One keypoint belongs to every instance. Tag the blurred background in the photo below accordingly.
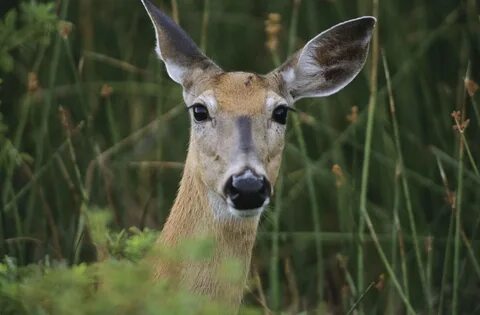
(90, 119)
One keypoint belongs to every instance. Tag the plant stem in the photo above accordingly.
(366, 157)
(308, 167)
(275, 258)
(205, 20)
(458, 211)
(405, 186)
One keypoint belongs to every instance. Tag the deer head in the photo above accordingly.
(238, 119)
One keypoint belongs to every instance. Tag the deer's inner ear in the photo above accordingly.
(329, 61)
(178, 51)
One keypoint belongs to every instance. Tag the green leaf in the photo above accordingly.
(10, 20)
(6, 62)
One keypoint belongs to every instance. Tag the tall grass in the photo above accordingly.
(374, 213)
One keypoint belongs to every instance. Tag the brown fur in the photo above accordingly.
(191, 217)
(241, 93)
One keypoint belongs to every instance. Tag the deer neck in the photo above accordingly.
(199, 212)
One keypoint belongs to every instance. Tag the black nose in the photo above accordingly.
(247, 190)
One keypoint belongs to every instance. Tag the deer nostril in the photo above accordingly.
(247, 190)
(233, 192)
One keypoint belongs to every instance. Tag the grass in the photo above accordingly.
(91, 120)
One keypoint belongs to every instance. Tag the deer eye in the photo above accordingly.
(200, 112)
(280, 114)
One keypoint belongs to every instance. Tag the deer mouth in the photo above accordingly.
(245, 214)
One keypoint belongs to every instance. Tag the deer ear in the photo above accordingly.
(329, 61)
(178, 51)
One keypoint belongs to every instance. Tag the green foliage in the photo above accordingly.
(7, 35)
(31, 26)
(121, 284)
(132, 244)
(10, 155)
(109, 287)
(3, 129)
(133, 247)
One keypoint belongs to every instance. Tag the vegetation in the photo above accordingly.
(377, 210)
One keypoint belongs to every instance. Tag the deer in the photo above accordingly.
(237, 136)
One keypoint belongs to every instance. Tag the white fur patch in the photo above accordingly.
(207, 98)
(176, 72)
(273, 100)
(219, 206)
(288, 76)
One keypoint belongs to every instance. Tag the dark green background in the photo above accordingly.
(428, 46)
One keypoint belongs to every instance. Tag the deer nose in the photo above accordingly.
(247, 190)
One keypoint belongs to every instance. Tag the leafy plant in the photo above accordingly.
(119, 284)
(109, 287)
(30, 26)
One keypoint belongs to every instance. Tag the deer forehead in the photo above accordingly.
(241, 93)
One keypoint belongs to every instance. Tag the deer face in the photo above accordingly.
(238, 119)
(238, 125)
